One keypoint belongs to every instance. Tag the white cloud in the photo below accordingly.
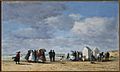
(76, 16)
(92, 26)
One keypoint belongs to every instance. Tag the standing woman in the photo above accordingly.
(68, 56)
(35, 55)
(31, 56)
(27, 55)
(39, 56)
(92, 58)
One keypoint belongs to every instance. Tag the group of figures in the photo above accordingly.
(87, 54)
(100, 57)
(103, 56)
(75, 56)
(78, 56)
(36, 55)
(52, 55)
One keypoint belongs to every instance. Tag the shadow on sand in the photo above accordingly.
(108, 60)
(24, 64)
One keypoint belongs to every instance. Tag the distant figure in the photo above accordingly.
(98, 57)
(61, 59)
(41, 55)
(83, 58)
(68, 56)
(92, 58)
(80, 56)
(31, 57)
(35, 55)
(75, 53)
(101, 56)
(53, 55)
(17, 58)
(27, 55)
(107, 55)
(50, 55)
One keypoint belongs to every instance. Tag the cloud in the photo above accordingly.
(63, 33)
(92, 26)
(97, 31)
(50, 35)
(51, 27)
(43, 32)
(28, 12)
(76, 16)
(61, 22)
(44, 25)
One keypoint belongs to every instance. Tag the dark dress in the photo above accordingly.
(27, 55)
(17, 58)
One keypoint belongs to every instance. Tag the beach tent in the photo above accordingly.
(86, 52)
(95, 52)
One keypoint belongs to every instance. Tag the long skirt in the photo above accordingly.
(27, 56)
(40, 59)
(31, 57)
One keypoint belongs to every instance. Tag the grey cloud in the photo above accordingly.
(27, 11)
(61, 22)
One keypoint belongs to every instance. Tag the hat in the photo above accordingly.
(18, 52)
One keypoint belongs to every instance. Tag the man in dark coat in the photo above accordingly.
(53, 54)
(108, 55)
(50, 55)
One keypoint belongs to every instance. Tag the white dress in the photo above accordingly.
(31, 57)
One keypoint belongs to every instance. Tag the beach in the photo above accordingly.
(61, 66)
(112, 65)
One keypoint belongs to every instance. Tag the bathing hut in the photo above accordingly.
(86, 52)
(95, 52)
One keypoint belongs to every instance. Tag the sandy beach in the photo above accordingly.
(61, 66)
(112, 65)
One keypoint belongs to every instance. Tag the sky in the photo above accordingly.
(62, 26)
